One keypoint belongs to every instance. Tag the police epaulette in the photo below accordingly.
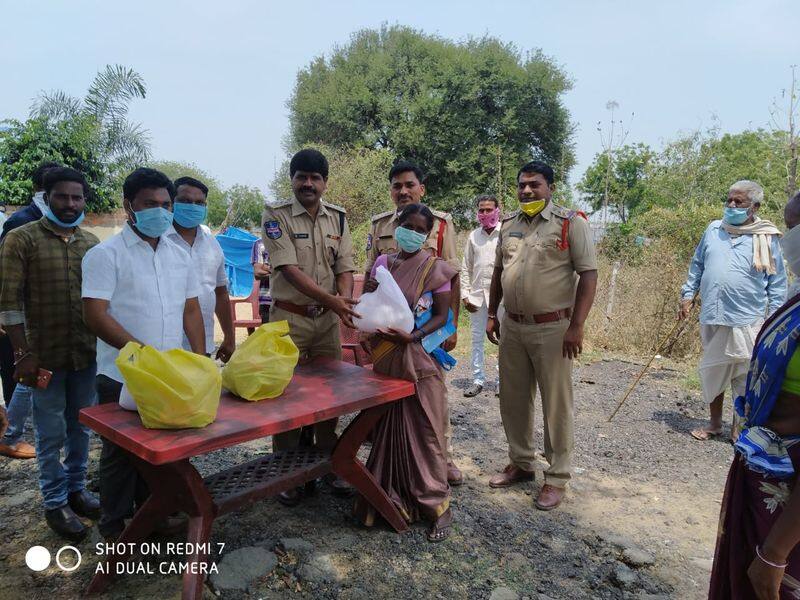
(510, 216)
(334, 207)
(380, 216)
(441, 214)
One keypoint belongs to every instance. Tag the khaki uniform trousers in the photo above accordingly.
(313, 337)
(531, 356)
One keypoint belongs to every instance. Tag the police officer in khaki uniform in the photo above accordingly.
(311, 253)
(406, 187)
(546, 274)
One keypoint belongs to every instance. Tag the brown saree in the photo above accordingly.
(408, 457)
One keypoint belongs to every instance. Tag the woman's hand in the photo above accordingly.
(370, 285)
(393, 335)
(765, 579)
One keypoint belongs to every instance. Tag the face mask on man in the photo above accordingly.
(533, 207)
(52, 217)
(189, 215)
(489, 220)
(38, 200)
(409, 241)
(152, 222)
(735, 216)
(790, 244)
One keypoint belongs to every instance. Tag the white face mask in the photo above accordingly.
(790, 244)
(38, 200)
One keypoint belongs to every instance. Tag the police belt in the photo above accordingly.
(550, 317)
(304, 310)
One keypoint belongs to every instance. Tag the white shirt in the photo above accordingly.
(146, 289)
(478, 264)
(209, 264)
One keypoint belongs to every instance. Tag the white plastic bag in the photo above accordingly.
(126, 401)
(384, 308)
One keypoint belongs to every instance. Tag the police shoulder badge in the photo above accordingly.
(272, 229)
(369, 241)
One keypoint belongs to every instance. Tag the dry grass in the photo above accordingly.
(643, 309)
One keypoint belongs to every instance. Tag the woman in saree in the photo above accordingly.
(757, 555)
(408, 457)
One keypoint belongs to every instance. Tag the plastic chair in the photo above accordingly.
(353, 349)
(252, 300)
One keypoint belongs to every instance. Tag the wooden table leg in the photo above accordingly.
(347, 466)
(174, 487)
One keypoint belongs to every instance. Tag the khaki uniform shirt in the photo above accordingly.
(321, 247)
(380, 239)
(538, 276)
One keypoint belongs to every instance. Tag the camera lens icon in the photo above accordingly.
(38, 558)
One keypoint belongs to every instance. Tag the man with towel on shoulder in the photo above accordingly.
(738, 270)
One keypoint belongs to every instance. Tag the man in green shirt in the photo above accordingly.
(54, 352)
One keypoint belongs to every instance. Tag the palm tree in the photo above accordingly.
(122, 144)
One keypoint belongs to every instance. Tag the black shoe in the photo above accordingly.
(473, 391)
(65, 523)
(338, 486)
(84, 504)
(290, 497)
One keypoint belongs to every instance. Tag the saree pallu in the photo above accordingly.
(752, 503)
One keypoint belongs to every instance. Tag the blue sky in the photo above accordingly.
(219, 73)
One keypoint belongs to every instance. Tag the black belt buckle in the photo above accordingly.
(314, 310)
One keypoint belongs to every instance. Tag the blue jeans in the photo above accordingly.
(18, 410)
(55, 420)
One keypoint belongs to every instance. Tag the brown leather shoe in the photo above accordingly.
(511, 474)
(454, 475)
(549, 497)
(21, 449)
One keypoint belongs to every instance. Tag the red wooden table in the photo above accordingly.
(320, 390)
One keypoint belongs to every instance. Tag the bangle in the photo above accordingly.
(418, 335)
(491, 316)
(769, 562)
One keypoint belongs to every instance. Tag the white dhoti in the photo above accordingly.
(726, 358)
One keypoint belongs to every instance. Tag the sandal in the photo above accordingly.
(438, 531)
(704, 435)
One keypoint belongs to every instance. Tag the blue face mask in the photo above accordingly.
(408, 240)
(51, 217)
(189, 215)
(735, 216)
(153, 222)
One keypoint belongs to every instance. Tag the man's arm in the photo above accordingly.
(193, 326)
(466, 272)
(14, 266)
(222, 309)
(307, 286)
(495, 297)
(371, 252)
(584, 298)
(103, 325)
(344, 284)
(692, 285)
(777, 283)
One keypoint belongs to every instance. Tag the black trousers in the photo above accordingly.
(7, 368)
(122, 489)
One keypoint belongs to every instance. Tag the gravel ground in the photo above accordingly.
(639, 520)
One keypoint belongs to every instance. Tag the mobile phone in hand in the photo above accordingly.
(43, 379)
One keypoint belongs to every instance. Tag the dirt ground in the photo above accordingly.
(644, 493)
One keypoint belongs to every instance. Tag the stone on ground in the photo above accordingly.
(242, 566)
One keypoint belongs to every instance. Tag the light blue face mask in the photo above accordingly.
(409, 240)
(735, 216)
(153, 222)
(189, 215)
(51, 217)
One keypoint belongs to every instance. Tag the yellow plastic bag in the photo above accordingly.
(264, 364)
(175, 389)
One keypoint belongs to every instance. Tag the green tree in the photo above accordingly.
(470, 113)
(121, 144)
(73, 142)
(217, 204)
(625, 182)
(245, 205)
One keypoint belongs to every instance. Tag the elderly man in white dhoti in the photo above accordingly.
(739, 273)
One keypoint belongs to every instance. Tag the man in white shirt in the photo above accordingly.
(476, 277)
(137, 286)
(189, 211)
